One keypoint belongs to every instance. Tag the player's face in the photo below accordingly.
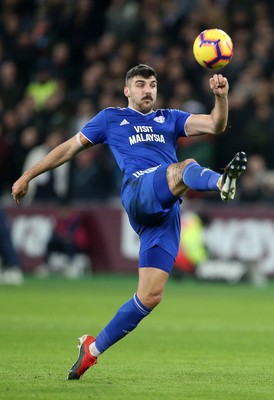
(141, 93)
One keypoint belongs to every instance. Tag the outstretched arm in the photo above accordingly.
(216, 121)
(58, 156)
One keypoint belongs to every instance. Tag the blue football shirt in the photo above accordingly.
(138, 141)
(141, 143)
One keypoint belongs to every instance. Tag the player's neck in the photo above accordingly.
(140, 112)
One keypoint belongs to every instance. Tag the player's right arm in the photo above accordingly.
(56, 157)
(216, 121)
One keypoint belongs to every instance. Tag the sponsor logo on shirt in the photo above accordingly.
(137, 174)
(142, 128)
(148, 137)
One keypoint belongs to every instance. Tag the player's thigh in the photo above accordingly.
(141, 203)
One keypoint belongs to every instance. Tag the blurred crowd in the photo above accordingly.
(62, 61)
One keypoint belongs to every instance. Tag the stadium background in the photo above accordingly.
(205, 341)
(62, 61)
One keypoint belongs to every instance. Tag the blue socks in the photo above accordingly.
(200, 178)
(127, 318)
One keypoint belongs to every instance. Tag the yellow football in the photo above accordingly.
(213, 49)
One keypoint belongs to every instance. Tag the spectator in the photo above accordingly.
(85, 110)
(68, 248)
(250, 187)
(62, 65)
(93, 176)
(8, 136)
(10, 273)
(43, 85)
(25, 55)
(90, 84)
(52, 186)
(28, 139)
(26, 112)
(11, 89)
(122, 20)
(84, 24)
(55, 114)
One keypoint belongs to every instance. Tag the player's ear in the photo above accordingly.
(126, 91)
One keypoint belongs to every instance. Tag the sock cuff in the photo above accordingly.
(200, 178)
(190, 165)
(143, 309)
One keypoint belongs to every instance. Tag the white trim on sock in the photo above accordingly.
(93, 350)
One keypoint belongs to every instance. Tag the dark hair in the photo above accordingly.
(142, 70)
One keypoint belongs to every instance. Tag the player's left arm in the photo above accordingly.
(216, 121)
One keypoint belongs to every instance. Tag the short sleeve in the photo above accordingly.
(181, 118)
(95, 129)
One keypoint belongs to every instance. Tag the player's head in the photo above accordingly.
(141, 88)
(143, 70)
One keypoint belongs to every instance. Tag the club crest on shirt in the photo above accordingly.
(159, 119)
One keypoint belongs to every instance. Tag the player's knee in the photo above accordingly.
(185, 163)
(174, 177)
(152, 299)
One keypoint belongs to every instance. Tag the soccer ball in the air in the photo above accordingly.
(213, 49)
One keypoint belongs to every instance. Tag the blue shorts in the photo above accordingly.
(157, 223)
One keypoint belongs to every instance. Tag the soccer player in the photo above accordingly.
(143, 141)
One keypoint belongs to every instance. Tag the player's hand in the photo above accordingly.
(19, 189)
(219, 85)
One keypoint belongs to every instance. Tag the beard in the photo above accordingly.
(146, 104)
